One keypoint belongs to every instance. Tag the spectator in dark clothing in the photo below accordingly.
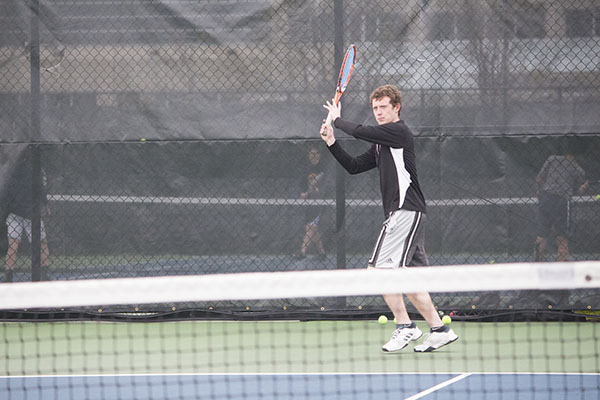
(20, 203)
(559, 178)
(314, 185)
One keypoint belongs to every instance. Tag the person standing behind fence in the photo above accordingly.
(19, 204)
(314, 188)
(557, 181)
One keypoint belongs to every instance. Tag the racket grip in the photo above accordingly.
(328, 121)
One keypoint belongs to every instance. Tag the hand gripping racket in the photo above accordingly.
(345, 74)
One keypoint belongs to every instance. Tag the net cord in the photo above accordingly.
(300, 284)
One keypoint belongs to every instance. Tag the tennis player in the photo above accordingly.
(401, 241)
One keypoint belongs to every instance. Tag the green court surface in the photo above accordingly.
(87, 348)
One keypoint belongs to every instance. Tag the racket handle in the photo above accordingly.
(328, 122)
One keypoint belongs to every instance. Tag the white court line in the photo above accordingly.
(233, 374)
(438, 387)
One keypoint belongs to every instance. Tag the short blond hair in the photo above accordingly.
(390, 91)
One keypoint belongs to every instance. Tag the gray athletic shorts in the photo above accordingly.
(17, 224)
(401, 242)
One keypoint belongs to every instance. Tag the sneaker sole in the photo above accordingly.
(411, 340)
(430, 349)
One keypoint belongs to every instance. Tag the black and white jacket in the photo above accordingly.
(393, 153)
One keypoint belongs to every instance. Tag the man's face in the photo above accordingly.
(383, 111)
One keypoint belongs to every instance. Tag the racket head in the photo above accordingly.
(345, 71)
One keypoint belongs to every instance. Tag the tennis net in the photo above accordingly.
(56, 341)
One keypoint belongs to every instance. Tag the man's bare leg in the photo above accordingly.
(423, 304)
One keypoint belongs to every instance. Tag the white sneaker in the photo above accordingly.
(401, 338)
(435, 340)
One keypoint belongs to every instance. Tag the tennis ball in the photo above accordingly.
(446, 319)
(395, 320)
(598, 197)
(142, 140)
(382, 319)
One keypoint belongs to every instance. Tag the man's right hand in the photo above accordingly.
(327, 133)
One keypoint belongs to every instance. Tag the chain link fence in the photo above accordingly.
(176, 137)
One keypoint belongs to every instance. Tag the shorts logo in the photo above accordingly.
(389, 261)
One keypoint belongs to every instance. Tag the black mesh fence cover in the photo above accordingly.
(164, 70)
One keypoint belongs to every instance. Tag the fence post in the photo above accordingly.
(340, 183)
(34, 49)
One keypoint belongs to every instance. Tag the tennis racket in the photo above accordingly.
(345, 74)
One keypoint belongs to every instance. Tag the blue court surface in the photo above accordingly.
(305, 386)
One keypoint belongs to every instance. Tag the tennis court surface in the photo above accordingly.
(314, 386)
(65, 347)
